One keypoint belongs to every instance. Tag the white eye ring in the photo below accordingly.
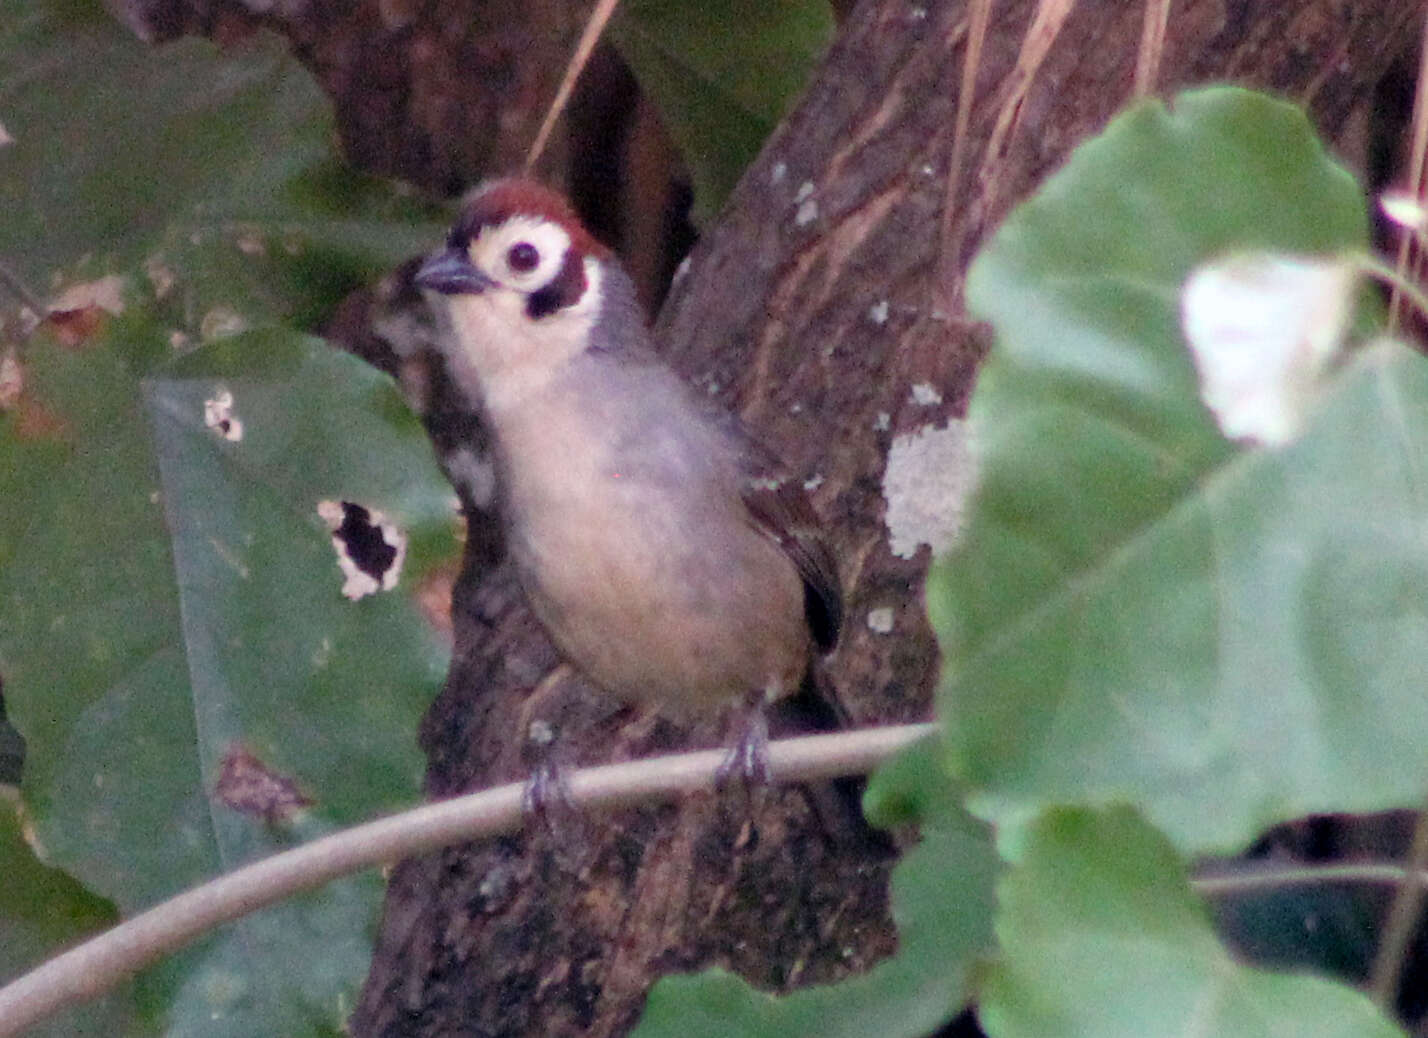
(505, 250)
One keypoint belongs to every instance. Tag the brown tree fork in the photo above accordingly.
(90, 969)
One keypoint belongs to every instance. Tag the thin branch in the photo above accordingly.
(1402, 921)
(1407, 904)
(583, 49)
(980, 15)
(1277, 877)
(1416, 162)
(1152, 46)
(97, 965)
(1391, 277)
(12, 281)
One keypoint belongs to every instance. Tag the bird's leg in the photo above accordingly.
(748, 758)
(746, 766)
(546, 791)
(547, 802)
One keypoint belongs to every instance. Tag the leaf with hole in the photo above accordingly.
(193, 687)
(1140, 610)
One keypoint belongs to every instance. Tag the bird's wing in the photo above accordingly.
(777, 505)
(780, 508)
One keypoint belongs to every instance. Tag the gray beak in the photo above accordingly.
(451, 272)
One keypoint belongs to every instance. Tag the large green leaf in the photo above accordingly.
(40, 908)
(1141, 610)
(114, 147)
(722, 75)
(172, 597)
(1102, 936)
(170, 600)
(942, 902)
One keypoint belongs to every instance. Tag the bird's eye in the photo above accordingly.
(523, 257)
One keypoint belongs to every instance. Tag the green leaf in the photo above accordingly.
(40, 908)
(942, 903)
(1101, 935)
(117, 149)
(109, 138)
(722, 75)
(1139, 611)
(172, 599)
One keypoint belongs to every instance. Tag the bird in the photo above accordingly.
(650, 532)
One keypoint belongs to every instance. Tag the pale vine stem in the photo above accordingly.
(1152, 46)
(91, 968)
(1256, 879)
(590, 36)
(1415, 175)
(1403, 913)
(101, 963)
(1390, 276)
(16, 285)
(980, 13)
(1402, 921)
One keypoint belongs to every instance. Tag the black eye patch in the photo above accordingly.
(565, 289)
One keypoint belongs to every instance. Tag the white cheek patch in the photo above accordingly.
(502, 357)
(587, 309)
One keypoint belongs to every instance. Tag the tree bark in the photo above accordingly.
(825, 307)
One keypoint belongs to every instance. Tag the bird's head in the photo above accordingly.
(521, 279)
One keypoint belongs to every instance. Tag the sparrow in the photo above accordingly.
(648, 529)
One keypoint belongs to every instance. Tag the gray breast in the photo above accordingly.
(633, 547)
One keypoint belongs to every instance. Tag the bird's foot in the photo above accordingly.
(747, 762)
(745, 768)
(551, 812)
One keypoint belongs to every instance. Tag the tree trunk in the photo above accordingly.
(824, 306)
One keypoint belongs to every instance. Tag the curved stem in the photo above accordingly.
(102, 962)
(1277, 877)
(1402, 921)
(1400, 285)
(17, 287)
(584, 47)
